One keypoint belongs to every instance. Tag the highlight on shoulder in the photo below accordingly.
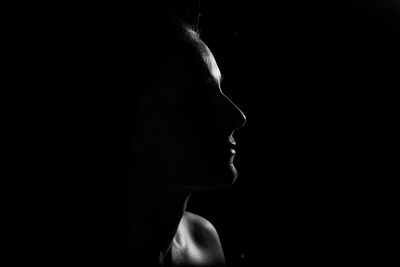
(203, 232)
(197, 242)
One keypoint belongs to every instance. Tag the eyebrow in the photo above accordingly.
(221, 78)
(209, 65)
(211, 79)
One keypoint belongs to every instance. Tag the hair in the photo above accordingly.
(161, 36)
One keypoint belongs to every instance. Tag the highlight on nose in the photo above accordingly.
(240, 118)
(243, 118)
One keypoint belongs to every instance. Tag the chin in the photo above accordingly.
(234, 173)
(221, 178)
(231, 175)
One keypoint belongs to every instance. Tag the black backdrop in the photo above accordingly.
(316, 81)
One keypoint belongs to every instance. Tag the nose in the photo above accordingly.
(237, 117)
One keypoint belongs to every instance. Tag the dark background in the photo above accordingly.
(315, 81)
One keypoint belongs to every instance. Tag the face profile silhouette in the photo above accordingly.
(182, 142)
(184, 135)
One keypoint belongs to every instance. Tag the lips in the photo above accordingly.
(228, 149)
(231, 146)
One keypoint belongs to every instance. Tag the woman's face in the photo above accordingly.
(186, 125)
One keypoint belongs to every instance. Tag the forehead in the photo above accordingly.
(195, 64)
(210, 63)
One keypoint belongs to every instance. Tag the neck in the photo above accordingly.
(156, 217)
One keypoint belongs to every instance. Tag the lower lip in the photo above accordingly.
(233, 151)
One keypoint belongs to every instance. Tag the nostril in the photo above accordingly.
(232, 140)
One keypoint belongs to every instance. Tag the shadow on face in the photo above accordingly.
(186, 124)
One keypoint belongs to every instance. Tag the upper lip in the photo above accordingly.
(231, 144)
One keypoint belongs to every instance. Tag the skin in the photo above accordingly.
(182, 144)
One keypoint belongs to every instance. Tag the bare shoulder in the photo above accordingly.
(201, 226)
(203, 245)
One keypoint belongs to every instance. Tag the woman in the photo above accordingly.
(183, 143)
(98, 81)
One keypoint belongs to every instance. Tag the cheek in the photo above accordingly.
(192, 124)
(180, 144)
(183, 147)
(181, 135)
